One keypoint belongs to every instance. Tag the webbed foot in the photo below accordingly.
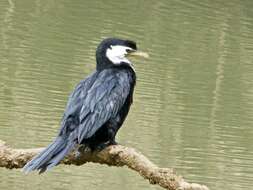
(82, 149)
(102, 146)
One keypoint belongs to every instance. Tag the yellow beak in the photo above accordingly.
(138, 54)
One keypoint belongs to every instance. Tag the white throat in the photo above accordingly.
(117, 54)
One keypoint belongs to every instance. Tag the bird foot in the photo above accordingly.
(113, 143)
(82, 149)
(102, 146)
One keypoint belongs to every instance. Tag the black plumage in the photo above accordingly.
(97, 107)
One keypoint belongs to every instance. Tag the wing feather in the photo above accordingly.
(94, 101)
(104, 100)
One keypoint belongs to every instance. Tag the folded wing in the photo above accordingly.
(94, 102)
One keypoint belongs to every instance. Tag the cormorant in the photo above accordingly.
(97, 107)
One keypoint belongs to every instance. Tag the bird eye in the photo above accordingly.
(129, 50)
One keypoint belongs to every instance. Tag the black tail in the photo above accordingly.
(51, 156)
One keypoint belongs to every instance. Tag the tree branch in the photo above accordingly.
(115, 155)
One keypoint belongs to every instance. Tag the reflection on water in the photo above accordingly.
(193, 102)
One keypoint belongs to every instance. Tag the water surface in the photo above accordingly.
(193, 104)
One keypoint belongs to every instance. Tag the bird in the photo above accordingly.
(97, 107)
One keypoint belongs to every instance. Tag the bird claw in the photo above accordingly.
(113, 143)
(82, 149)
(102, 146)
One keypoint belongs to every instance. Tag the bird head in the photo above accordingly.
(113, 51)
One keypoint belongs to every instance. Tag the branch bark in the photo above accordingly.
(115, 155)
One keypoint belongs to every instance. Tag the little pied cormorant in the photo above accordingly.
(97, 107)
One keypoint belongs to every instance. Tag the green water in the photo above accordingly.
(193, 104)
